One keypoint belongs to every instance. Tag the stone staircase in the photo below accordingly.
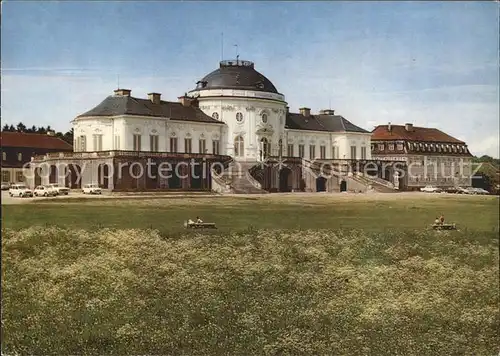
(240, 180)
(377, 184)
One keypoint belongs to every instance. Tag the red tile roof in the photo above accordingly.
(34, 140)
(421, 134)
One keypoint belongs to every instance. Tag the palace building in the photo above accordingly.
(233, 132)
(19, 147)
(432, 156)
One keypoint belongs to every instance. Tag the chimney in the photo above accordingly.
(305, 111)
(287, 110)
(122, 92)
(51, 133)
(187, 101)
(154, 97)
(327, 112)
(389, 127)
(409, 127)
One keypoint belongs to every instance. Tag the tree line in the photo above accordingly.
(67, 136)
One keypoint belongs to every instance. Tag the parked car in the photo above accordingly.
(44, 191)
(91, 189)
(462, 190)
(5, 186)
(59, 189)
(480, 191)
(20, 190)
(431, 189)
(452, 190)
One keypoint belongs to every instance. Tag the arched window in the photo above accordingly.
(215, 116)
(19, 156)
(239, 146)
(239, 117)
(4, 156)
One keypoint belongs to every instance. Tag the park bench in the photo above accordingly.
(199, 225)
(444, 227)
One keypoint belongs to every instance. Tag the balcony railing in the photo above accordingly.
(131, 154)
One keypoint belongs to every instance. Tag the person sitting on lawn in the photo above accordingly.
(198, 220)
(190, 222)
(437, 222)
(441, 219)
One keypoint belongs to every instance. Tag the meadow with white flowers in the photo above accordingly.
(291, 277)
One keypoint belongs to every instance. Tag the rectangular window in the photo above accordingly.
(5, 176)
(391, 147)
(322, 152)
(97, 142)
(19, 177)
(301, 151)
(117, 142)
(381, 147)
(202, 146)
(400, 146)
(187, 145)
(173, 144)
(353, 152)
(137, 142)
(335, 152)
(19, 156)
(215, 147)
(363, 152)
(83, 143)
(312, 152)
(289, 151)
(153, 143)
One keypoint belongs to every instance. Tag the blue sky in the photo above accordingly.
(431, 63)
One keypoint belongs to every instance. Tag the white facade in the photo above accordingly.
(118, 133)
(252, 125)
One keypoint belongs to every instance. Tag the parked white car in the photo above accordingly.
(430, 189)
(91, 189)
(59, 189)
(20, 190)
(44, 191)
(5, 186)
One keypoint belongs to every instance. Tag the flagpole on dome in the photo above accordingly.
(222, 46)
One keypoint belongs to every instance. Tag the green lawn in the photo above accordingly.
(167, 215)
(312, 276)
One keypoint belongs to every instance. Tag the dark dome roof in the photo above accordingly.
(236, 74)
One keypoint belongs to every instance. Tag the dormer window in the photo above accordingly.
(381, 147)
(399, 146)
(391, 147)
(215, 116)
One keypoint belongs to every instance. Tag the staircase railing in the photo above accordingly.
(377, 180)
(252, 180)
(219, 184)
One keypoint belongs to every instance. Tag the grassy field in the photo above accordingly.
(282, 276)
(271, 212)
